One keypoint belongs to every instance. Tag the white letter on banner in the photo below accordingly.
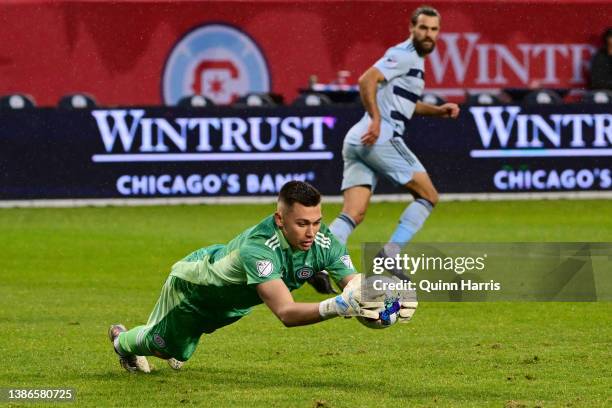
(122, 183)
(497, 125)
(255, 125)
(580, 63)
(288, 131)
(204, 133)
(483, 64)
(549, 60)
(165, 128)
(576, 120)
(603, 130)
(453, 54)
(120, 127)
(233, 131)
(539, 124)
(317, 131)
(504, 55)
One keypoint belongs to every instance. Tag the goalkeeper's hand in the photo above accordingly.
(348, 303)
(408, 306)
(407, 299)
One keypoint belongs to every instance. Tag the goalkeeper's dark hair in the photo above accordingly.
(299, 192)
(426, 10)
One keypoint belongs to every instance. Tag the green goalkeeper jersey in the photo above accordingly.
(226, 276)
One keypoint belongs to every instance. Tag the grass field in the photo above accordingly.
(66, 274)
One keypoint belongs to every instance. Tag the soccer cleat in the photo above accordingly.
(175, 364)
(131, 363)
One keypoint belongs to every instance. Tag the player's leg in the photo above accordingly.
(172, 330)
(130, 362)
(176, 336)
(354, 207)
(415, 215)
(394, 160)
(174, 327)
(358, 182)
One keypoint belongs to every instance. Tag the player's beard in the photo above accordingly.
(420, 47)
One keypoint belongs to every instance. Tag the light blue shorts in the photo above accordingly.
(392, 159)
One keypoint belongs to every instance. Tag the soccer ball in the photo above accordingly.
(387, 314)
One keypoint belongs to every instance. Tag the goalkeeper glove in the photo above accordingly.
(409, 304)
(348, 303)
(407, 298)
(407, 309)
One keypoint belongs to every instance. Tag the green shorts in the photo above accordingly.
(177, 321)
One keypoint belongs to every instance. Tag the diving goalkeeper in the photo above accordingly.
(217, 285)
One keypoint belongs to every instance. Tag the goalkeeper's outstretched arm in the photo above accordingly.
(277, 297)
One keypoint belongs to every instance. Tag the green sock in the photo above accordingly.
(129, 342)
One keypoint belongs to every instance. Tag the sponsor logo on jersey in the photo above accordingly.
(304, 273)
(264, 268)
(346, 260)
(218, 61)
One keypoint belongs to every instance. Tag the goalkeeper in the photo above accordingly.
(216, 286)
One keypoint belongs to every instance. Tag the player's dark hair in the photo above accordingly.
(299, 192)
(427, 10)
(607, 34)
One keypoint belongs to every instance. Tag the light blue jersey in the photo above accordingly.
(404, 71)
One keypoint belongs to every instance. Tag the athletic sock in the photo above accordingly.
(342, 227)
(411, 220)
(132, 342)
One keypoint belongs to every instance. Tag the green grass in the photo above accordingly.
(66, 274)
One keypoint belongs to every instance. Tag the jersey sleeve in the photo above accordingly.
(260, 264)
(394, 63)
(339, 263)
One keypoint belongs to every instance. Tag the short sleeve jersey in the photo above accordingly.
(227, 275)
(404, 72)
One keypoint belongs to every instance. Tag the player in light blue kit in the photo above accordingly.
(390, 91)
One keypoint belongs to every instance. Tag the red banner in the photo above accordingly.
(147, 52)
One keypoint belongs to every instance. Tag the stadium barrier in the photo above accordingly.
(225, 153)
(237, 47)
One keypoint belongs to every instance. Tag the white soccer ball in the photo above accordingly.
(387, 314)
